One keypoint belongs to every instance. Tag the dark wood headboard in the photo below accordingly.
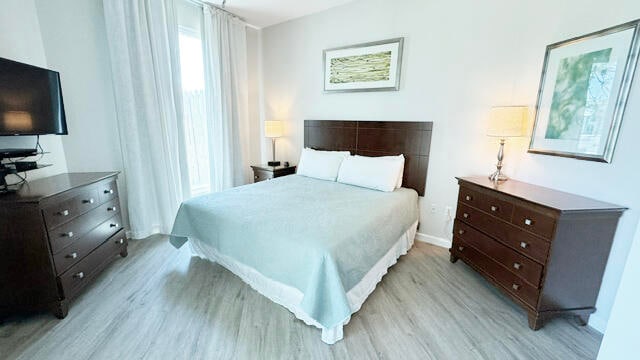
(377, 138)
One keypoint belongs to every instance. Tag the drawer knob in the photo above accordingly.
(255, 177)
(88, 201)
(79, 275)
(68, 234)
(517, 266)
(460, 248)
(113, 208)
(120, 241)
(468, 198)
(108, 191)
(528, 222)
(515, 287)
(73, 255)
(115, 225)
(64, 213)
(524, 245)
(465, 215)
(460, 231)
(494, 208)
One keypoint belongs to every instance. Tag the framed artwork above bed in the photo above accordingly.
(583, 92)
(372, 66)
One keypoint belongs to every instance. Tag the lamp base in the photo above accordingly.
(273, 163)
(498, 176)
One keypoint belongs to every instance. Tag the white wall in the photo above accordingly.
(621, 339)
(75, 43)
(460, 58)
(20, 40)
(254, 74)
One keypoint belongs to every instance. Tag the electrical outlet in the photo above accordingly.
(434, 208)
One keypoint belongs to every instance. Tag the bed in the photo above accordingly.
(335, 241)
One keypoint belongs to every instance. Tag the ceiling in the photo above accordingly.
(263, 13)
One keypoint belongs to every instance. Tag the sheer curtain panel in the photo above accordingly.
(143, 42)
(224, 40)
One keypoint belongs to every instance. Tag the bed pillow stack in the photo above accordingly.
(382, 173)
(323, 165)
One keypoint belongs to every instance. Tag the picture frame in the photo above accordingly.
(371, 66)
(583, 92)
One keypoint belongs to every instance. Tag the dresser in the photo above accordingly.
(265, 172)
(56, 235)
(545, 249)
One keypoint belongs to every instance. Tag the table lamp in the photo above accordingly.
(504, 122)
(273, 130)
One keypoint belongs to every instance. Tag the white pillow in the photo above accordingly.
(401, 170)
(322, 165)
(378, 173)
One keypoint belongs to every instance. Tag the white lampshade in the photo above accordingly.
(508, 121)
(273, 128)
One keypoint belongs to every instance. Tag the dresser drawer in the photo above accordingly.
(64, 235)
(510, 235)
(515, 262)
(108, 191)
(260, 175)
(82, 201)
(485, 265)
(81, 247)
(487, 203)
(81, 273)
(534, 221)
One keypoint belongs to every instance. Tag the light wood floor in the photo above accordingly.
(159, 303)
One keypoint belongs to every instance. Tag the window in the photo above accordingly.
(195, 124)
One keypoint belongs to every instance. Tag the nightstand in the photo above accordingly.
(265, 172)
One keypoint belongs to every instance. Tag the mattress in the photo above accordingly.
(315, 239)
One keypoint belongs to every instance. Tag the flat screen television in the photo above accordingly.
(30, 100)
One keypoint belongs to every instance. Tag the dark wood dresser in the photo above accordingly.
(56, 235)
(545, 249)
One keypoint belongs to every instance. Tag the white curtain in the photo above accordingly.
(143, 42)
(224, 40)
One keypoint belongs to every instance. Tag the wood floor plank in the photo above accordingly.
(161, 303)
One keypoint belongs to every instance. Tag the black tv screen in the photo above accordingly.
(30, 100)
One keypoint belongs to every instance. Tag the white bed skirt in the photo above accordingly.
(290, 297)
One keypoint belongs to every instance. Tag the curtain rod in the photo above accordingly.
(201, 3)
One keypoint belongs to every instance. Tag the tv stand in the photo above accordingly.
(17, 153)
(6, 170)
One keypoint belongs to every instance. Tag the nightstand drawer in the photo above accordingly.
(517, 263)
(489, 204)
(496, 272)
(510, 235)
(265, 172)
(534, 221)
(260, 175)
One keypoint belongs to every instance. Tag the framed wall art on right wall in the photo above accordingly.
(583, 92)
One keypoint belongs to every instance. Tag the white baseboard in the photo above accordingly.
(598, 323)
(433, 240)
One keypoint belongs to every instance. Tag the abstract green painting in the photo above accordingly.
(584, 89)
(361, 68)
(572, 90)
(372, 66)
